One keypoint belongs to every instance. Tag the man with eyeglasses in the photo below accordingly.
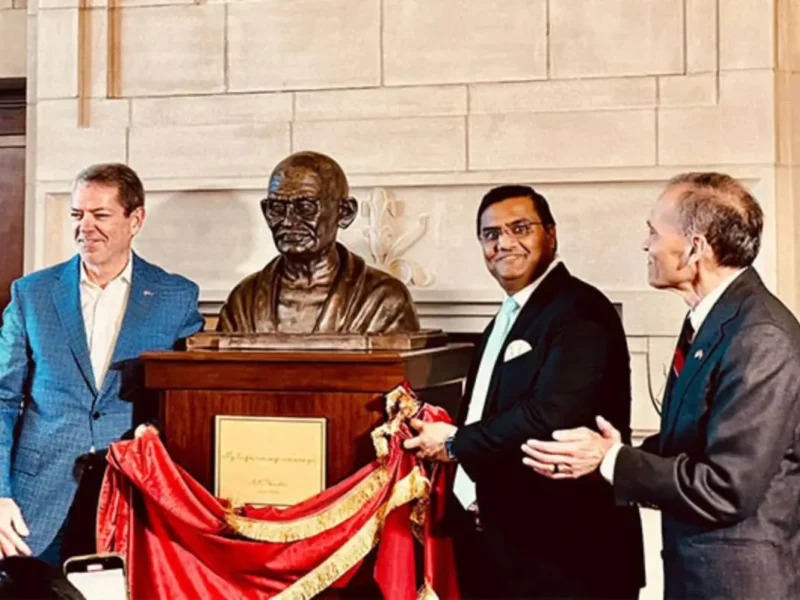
(552, 357)
(316, 285)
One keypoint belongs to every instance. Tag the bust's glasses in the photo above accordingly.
(517, 230)
(278, 208)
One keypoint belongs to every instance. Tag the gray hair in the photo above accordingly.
(720, 208)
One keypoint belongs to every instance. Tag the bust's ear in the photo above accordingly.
(348, 209)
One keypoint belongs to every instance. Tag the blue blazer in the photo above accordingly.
(51, 411)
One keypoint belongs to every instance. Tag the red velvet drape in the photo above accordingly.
(181, 542)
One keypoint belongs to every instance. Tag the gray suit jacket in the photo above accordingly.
(725, 468)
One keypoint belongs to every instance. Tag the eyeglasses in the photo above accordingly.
(277, 208)
(517, 230)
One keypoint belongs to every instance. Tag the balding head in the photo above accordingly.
(308, 199)
(722, 210)
(300, 165)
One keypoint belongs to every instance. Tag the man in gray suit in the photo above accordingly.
(725, 467)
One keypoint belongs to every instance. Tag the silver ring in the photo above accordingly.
(555, 469)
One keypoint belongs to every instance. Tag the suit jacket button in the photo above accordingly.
(96, 415)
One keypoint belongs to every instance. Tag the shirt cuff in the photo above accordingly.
(609, 460)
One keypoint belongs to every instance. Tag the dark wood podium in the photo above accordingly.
(346, 387)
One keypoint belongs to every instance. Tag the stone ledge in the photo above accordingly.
(659, 174)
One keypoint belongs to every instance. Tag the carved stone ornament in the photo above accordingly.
(387, 244)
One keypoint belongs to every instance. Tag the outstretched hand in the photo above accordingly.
(143, 428)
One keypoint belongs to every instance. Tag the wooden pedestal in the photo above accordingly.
(345, 387)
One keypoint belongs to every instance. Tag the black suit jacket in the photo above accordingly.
(547, 532)
(725, 469)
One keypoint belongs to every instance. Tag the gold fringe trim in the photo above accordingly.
(413, 486)
(402, 402)
(299, 529)
(419, 513)
(426, 592)
(379, 441)
(401, 405)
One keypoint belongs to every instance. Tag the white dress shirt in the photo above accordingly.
(699, 313)
(696, 317)
(103, 310)
(464, 487)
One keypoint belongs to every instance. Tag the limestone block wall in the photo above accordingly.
(787, 91)
(595, 102)
(13, 34)
(426, 104)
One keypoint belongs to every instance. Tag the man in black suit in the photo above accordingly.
(725, 467)
(553, 357)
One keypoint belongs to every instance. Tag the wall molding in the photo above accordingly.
(588, 176)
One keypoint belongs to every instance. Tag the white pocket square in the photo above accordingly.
(515, 349)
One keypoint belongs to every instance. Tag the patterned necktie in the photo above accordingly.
(682, 349)
(464, 487)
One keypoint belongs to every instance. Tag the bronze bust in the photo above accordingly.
(316, 285)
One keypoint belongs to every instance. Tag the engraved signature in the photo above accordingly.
(231, 456)
(267, 482)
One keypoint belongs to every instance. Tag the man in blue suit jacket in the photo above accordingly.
(68, 334)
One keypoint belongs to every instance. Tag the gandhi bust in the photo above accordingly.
(316, 285)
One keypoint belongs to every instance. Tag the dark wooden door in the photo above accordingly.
(12, 183)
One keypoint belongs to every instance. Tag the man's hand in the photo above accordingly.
(575, 453)
(12, 526)
(429, 444)
(142, 428)
(475, 512)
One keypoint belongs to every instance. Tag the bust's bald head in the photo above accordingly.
(333, 182)
(308, 199)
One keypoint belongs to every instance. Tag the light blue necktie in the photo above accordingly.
(464, 487)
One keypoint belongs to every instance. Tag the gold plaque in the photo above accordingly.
(269, 460)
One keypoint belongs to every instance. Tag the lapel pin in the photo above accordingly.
(698, 355)
(148, 293)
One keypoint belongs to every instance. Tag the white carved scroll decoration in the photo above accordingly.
(387, 242)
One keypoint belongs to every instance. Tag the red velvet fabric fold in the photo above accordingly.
(179, 541)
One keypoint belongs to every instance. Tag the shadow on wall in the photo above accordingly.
(207, 236)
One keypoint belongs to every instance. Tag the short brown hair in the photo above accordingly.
(127, 182)
(720, 208)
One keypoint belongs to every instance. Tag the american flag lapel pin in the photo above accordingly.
(699, 355)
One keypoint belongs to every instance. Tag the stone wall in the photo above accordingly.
(787, 171)
(13, 34)
(427, 104)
